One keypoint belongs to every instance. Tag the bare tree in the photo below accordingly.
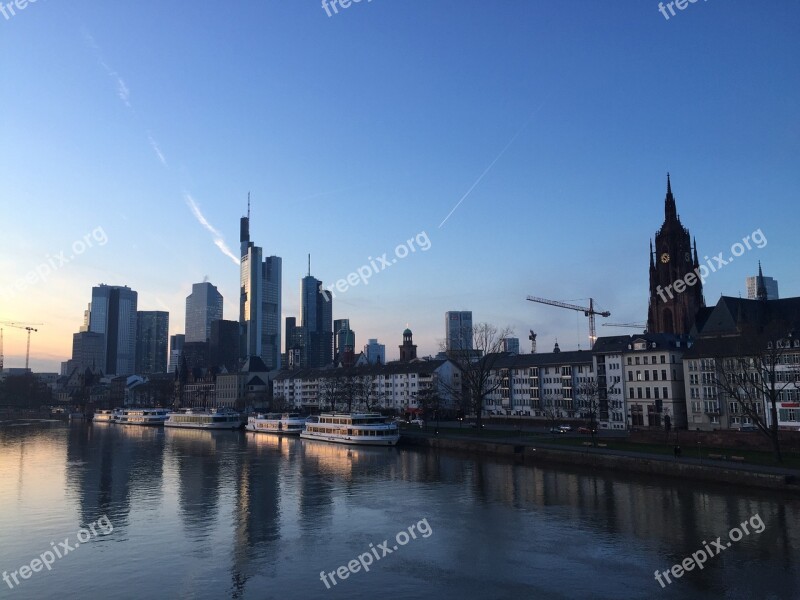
(755, 371)
(477, 367)
(587, 396)
(550, 408)
(332, 392)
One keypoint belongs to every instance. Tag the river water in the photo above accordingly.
(132, 512)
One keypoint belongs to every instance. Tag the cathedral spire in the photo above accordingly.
(670, 212)
(761, 286)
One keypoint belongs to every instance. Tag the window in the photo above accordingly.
(639, 393)
(645, 360)
(655, 392)
(647, 393)
(655, 375)
(666, 395)
(637, 360)
(663, 359)
(630, 375)
(646, 375)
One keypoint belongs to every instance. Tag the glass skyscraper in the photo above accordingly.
(152, 333)
(203, 306)
(113, 313)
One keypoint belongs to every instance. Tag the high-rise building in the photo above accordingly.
(113, 313)
(223, 347)
(175, 351)
(88, 351)
(317, 324)
(203, 306)
(458, 330)
(259, 301)
(770, 286)
(152, 332)
(676, 290)
(342, 334)
(511, 345)
(375, 353)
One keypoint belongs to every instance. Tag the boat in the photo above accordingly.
(200, 418)
(352, 428)
(276, 423)
(142, 416)
(104, 416)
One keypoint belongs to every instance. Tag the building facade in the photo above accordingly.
(152, 332)
(458, 330)
(374, 352)
(113, 313)
(203, 306)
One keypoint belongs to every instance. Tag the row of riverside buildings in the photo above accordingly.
(666, 376)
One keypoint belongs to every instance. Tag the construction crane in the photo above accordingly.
(532, 338)
(17, 325)
(587, 311)
(632, 325)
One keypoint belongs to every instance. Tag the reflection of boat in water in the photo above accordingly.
(220, 418)
(346, 460)
(276, 423)
(143, 416)
(77, 416)
(352, 428)
(104, 416)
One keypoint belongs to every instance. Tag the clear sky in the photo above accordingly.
(552, 123)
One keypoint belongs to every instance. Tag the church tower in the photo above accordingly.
(676, 291)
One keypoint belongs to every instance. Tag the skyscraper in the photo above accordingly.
(113, 313)
(152, 331)
(175, 351)
(203, 306)
(223, 348)
(673, 264)
(317, 324)
(375, 352)
(770, 286)
(342, 334)
(259, 301)
(458, 330)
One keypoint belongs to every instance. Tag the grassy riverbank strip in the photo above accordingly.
(617, 455)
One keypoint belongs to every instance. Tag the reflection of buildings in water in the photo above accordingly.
(258, 507)
(108, 468)
(199, 459)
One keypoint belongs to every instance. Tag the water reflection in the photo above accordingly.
(234, 511)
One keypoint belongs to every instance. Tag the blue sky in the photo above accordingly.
(356, 132)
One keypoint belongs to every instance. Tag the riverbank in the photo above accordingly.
(540, 453)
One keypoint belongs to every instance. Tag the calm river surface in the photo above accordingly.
(199, 514)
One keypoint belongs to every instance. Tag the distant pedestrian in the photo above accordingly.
(677, 451)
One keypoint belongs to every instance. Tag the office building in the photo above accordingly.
(223, 347)
(260, 300)
(203, 306)
(375, 353)
(113, 313)
(317, 324)
(342, 336)
(770, 286)
(458, 330)
(152, 332)
(510, 344)
(175, 351)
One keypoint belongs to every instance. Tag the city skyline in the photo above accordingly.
(548, 180)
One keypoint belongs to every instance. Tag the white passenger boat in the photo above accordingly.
(199, 418)
(277, 423)
(142, 416)
(104, 416)
(352, 428)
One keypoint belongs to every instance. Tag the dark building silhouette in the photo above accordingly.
(223, 347)
(676, 290)
(408, 350)
(152, 334)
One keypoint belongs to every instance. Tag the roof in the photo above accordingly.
(393, 368)
(506, 360)
(254, 364)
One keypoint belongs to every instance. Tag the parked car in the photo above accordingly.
(419, 422)
(587, 430)
(557, 430)
(565, 427)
